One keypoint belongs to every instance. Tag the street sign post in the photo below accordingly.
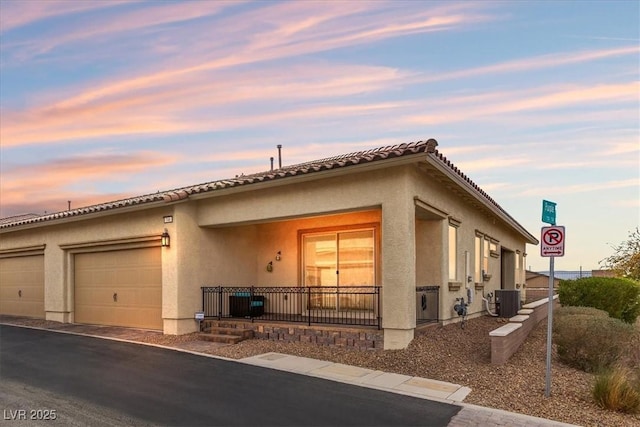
(549, 212)
(551, 246)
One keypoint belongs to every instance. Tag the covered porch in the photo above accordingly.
(332, 316)
(331, 254)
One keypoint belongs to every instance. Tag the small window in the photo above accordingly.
(478, 260)
(453, 253)
(485, 256)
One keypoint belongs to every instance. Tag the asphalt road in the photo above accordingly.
(108, 382)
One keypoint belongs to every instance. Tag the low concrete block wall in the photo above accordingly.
(535, 294)
(363, 339)
(507, 339)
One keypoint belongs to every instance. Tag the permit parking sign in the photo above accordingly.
(552, 241)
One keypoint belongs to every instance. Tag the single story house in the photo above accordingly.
(535, 280)
(392, 235)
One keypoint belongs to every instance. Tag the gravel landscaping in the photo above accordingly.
(449, 353)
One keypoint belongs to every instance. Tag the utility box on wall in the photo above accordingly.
(507, 302)
(427, 303)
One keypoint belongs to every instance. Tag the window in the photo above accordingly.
(485, 247)
(485, 256)
(453, 253)
(477, 274)
(338, 259)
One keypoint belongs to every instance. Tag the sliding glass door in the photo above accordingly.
(335, 260)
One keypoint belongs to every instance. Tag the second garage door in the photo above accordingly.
(119, 288)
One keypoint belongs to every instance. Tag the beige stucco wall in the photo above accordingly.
(430, 252)
(227, 238)
(388, 190)
(63, 239)
(238, 254)
(472, 219)
(181, 269)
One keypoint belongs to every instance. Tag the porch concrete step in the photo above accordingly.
(221, 338)
(219, 330)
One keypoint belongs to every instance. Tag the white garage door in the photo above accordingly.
(119, 288)
(22, 286)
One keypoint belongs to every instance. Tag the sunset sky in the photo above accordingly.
(533, 100)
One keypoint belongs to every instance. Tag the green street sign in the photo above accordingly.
(549, 212)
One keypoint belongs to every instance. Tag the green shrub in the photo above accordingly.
(631, 358)
(591, 343)
(618, 390)
(572, 311)
(618, 297)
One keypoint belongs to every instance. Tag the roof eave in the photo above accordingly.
(309, 176)
(47, 222)
(447, 171)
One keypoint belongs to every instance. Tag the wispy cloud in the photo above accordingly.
(78, 176)
(109, 25)
(587, 187)
(16, 13)
(464, 108)
(628, 203)
(173, 100)
(333, 26)
(176, 108)
(492, 162)
(535, 63)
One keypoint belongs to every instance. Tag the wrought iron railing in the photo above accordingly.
(343, 305)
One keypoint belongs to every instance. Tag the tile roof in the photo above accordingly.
(17, 218)
(330, 163)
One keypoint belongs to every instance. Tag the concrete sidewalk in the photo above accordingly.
(396, 383)
(423, 388)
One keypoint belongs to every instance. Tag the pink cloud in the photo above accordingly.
(273, 38)
(16, 13)
(22, 185)
(535, 63)
(587, 187)
(127, 21)
(494, 104)
(173, 108)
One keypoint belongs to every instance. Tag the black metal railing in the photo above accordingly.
(343, 305)
(427, 304)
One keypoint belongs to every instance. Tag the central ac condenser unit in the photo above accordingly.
(507, 302)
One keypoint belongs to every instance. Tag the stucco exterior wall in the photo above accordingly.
(239, 254)
(386, 189)
(181, 268)
(228, 237)
(62, 240)
(472, 219)
(430, 253)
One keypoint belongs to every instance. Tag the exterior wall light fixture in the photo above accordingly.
(270, 266)
(278, 256)
(165, 239)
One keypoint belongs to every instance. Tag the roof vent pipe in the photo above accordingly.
(279, 156)
(271, 163)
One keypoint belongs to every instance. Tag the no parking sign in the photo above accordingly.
(552, 241)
